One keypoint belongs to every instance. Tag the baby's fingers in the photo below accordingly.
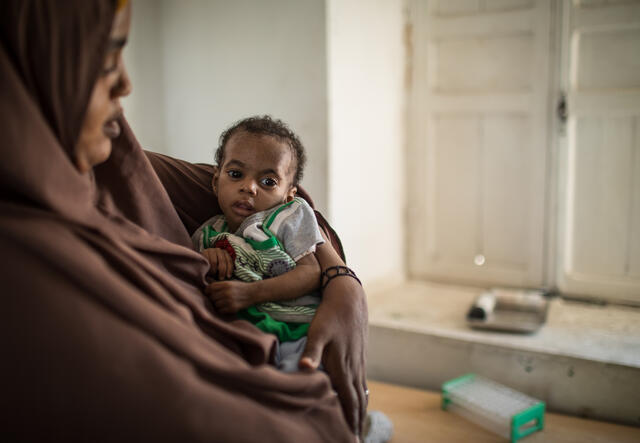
(222, 264)
(229, 265)
(212, 258)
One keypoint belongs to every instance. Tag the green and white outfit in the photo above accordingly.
(268, 244)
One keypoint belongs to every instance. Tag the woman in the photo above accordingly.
(106, 332)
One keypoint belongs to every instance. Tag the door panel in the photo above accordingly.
(477, 160)
(602, 194)
(454, 208)
(506, 200)
(608, 59)
(599, 241)
(461, 64)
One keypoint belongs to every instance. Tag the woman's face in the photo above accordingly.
(100, 121)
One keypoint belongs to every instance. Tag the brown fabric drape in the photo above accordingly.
(105, 333)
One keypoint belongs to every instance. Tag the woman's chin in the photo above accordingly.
(102, 154)
(88, 158)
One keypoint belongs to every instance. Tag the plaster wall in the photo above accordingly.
(197, 66)
(366, 134)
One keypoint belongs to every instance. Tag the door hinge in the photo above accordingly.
(561, 110)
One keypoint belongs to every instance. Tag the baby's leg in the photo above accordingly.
(289, 353)
(378, 428)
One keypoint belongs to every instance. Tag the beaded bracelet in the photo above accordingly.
(339, 272)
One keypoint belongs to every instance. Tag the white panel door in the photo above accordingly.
(478, 140)
(600, 199)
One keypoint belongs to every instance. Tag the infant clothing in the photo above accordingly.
(268, 244)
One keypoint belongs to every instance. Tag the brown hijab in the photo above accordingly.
(105, 332)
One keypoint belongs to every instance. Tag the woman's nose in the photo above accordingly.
(123, 88)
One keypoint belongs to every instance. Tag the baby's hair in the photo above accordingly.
(265, 125)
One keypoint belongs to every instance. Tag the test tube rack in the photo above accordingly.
(493, 406)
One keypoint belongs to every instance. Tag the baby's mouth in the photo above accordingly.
(243, 208)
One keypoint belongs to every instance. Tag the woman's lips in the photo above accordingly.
(111, 129)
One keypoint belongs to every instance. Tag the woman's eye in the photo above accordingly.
(269, 182)
(109, 69)
(234, 174)
(111, 63)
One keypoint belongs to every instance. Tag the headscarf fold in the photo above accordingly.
(105, 332)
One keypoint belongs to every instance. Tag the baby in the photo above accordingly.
(266, 237)
(265, 240)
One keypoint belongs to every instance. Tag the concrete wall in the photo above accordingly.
(567, 384)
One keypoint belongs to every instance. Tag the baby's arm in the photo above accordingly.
(301, 280)
(230, 296)
(220, 262)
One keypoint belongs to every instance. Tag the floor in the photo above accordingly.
(418, 417)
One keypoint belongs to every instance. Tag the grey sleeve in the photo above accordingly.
(198, 236)
(298, 230)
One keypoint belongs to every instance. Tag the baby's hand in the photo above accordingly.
(230, 296)
(220, 261)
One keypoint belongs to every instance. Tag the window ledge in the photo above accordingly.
(585, 360)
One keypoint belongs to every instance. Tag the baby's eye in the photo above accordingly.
(269, 182)
(234, 174)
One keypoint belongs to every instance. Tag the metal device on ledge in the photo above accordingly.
(509, 310)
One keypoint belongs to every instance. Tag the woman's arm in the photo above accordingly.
(338, 336)
(89, 356)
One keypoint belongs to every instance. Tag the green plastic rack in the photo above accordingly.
(491, 405)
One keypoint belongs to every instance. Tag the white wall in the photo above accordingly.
(366, 134)
(197, 66)
(144, 55)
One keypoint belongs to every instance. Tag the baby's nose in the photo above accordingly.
(249, 186)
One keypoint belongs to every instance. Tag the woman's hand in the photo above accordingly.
(220, 262)
(231, 296)
(337, 337)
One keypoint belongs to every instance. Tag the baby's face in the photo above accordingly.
(256, 174)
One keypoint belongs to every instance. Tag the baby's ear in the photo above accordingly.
(291, 193)
(214, 179)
